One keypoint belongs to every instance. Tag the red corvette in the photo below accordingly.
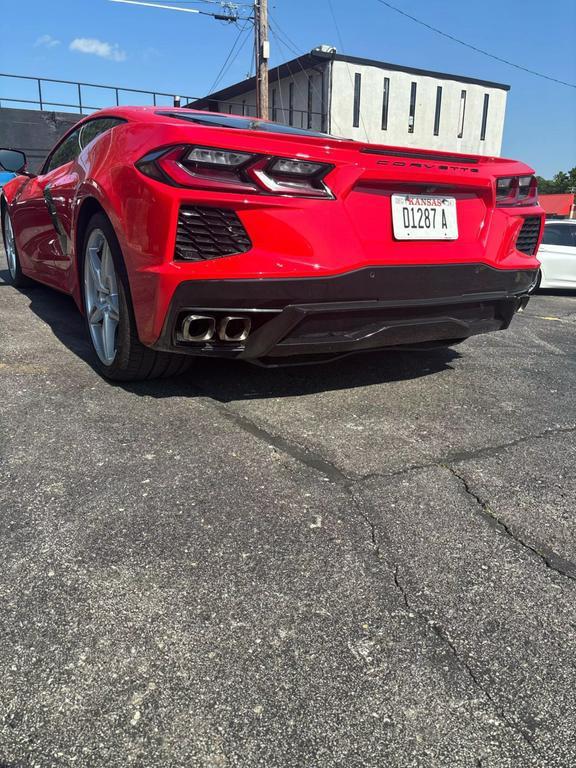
(183, 233)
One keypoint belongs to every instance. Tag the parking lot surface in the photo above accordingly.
(370, 563)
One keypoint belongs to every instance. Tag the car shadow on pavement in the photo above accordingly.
(228, 380)
(556, 292)
(60, 314)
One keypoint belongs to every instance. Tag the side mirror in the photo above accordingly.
(12, 160)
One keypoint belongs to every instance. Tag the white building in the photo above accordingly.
(377, 102)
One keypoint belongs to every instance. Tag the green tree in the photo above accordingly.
(562, 182)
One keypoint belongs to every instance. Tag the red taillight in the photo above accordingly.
(516, 190)
(235, 171)
(189, 171)
(286, 176)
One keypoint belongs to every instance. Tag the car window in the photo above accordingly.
(78, 139)
(64, 153)
(559, 234)
(93, 128)
(243, 123)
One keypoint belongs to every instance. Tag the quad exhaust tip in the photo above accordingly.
(198, 328)
(234, 328)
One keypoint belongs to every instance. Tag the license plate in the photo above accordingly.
(424, 217)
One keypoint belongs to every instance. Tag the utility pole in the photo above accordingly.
(231, 14)
(262, 50)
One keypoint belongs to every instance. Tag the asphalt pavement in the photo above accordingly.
(366, 564)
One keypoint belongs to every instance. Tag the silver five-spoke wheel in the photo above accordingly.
(10, 246)
(101, 296)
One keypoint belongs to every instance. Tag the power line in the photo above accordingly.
(218, 16)
(472, 47)
(221, 3)
(238, 52)
(347, 64)
(229, 13)
(281, 37)
(336, 26)
(230, 59)
(274, 31)
(279, 41)
(252, 63)
(287, 41)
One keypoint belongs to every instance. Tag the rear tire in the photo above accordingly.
(109, 315)
(17, 277)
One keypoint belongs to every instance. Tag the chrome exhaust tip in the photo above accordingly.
(234, 328)
(198, 328)
(522, 303)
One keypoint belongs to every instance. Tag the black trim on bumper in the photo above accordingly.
(371, 308)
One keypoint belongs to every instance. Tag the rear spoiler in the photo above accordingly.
(420, 158)
(419, 155)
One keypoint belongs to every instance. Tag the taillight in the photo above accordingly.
(516, 190)
(285, 176)
(205, 169)
(232, 171)
(527, 190)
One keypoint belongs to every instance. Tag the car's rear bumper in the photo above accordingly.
(326, 317)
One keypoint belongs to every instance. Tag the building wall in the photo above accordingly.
(333, 95)
(397, 133)
(33, 132)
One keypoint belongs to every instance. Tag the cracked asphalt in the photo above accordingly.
(366, 564)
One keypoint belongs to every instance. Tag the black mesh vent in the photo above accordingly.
(528, 236)
(208, 233)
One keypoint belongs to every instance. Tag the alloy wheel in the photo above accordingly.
(101, 296)
(10, 246)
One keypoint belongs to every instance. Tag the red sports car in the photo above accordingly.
(183, 233)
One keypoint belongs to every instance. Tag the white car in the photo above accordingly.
(557, 255)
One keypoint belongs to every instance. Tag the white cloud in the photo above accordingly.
(111, 51)
(47, 41)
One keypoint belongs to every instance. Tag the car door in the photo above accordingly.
(42, 238)
(45, 206)
(557, 254)
(60, 192)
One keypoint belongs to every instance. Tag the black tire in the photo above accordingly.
(15, 276)
(133, 360)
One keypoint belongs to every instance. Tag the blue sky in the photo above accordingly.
(103, 42)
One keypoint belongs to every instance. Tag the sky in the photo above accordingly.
(99, 41)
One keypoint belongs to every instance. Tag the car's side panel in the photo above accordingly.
(9, 193)
(40, 215)
(138, 218)
(33, 229)
(558, 264)
(45, 210)
(60, 193)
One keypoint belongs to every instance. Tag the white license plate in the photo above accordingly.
(424, 217)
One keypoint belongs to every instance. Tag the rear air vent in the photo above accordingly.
(209, 233)
(527, 239)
